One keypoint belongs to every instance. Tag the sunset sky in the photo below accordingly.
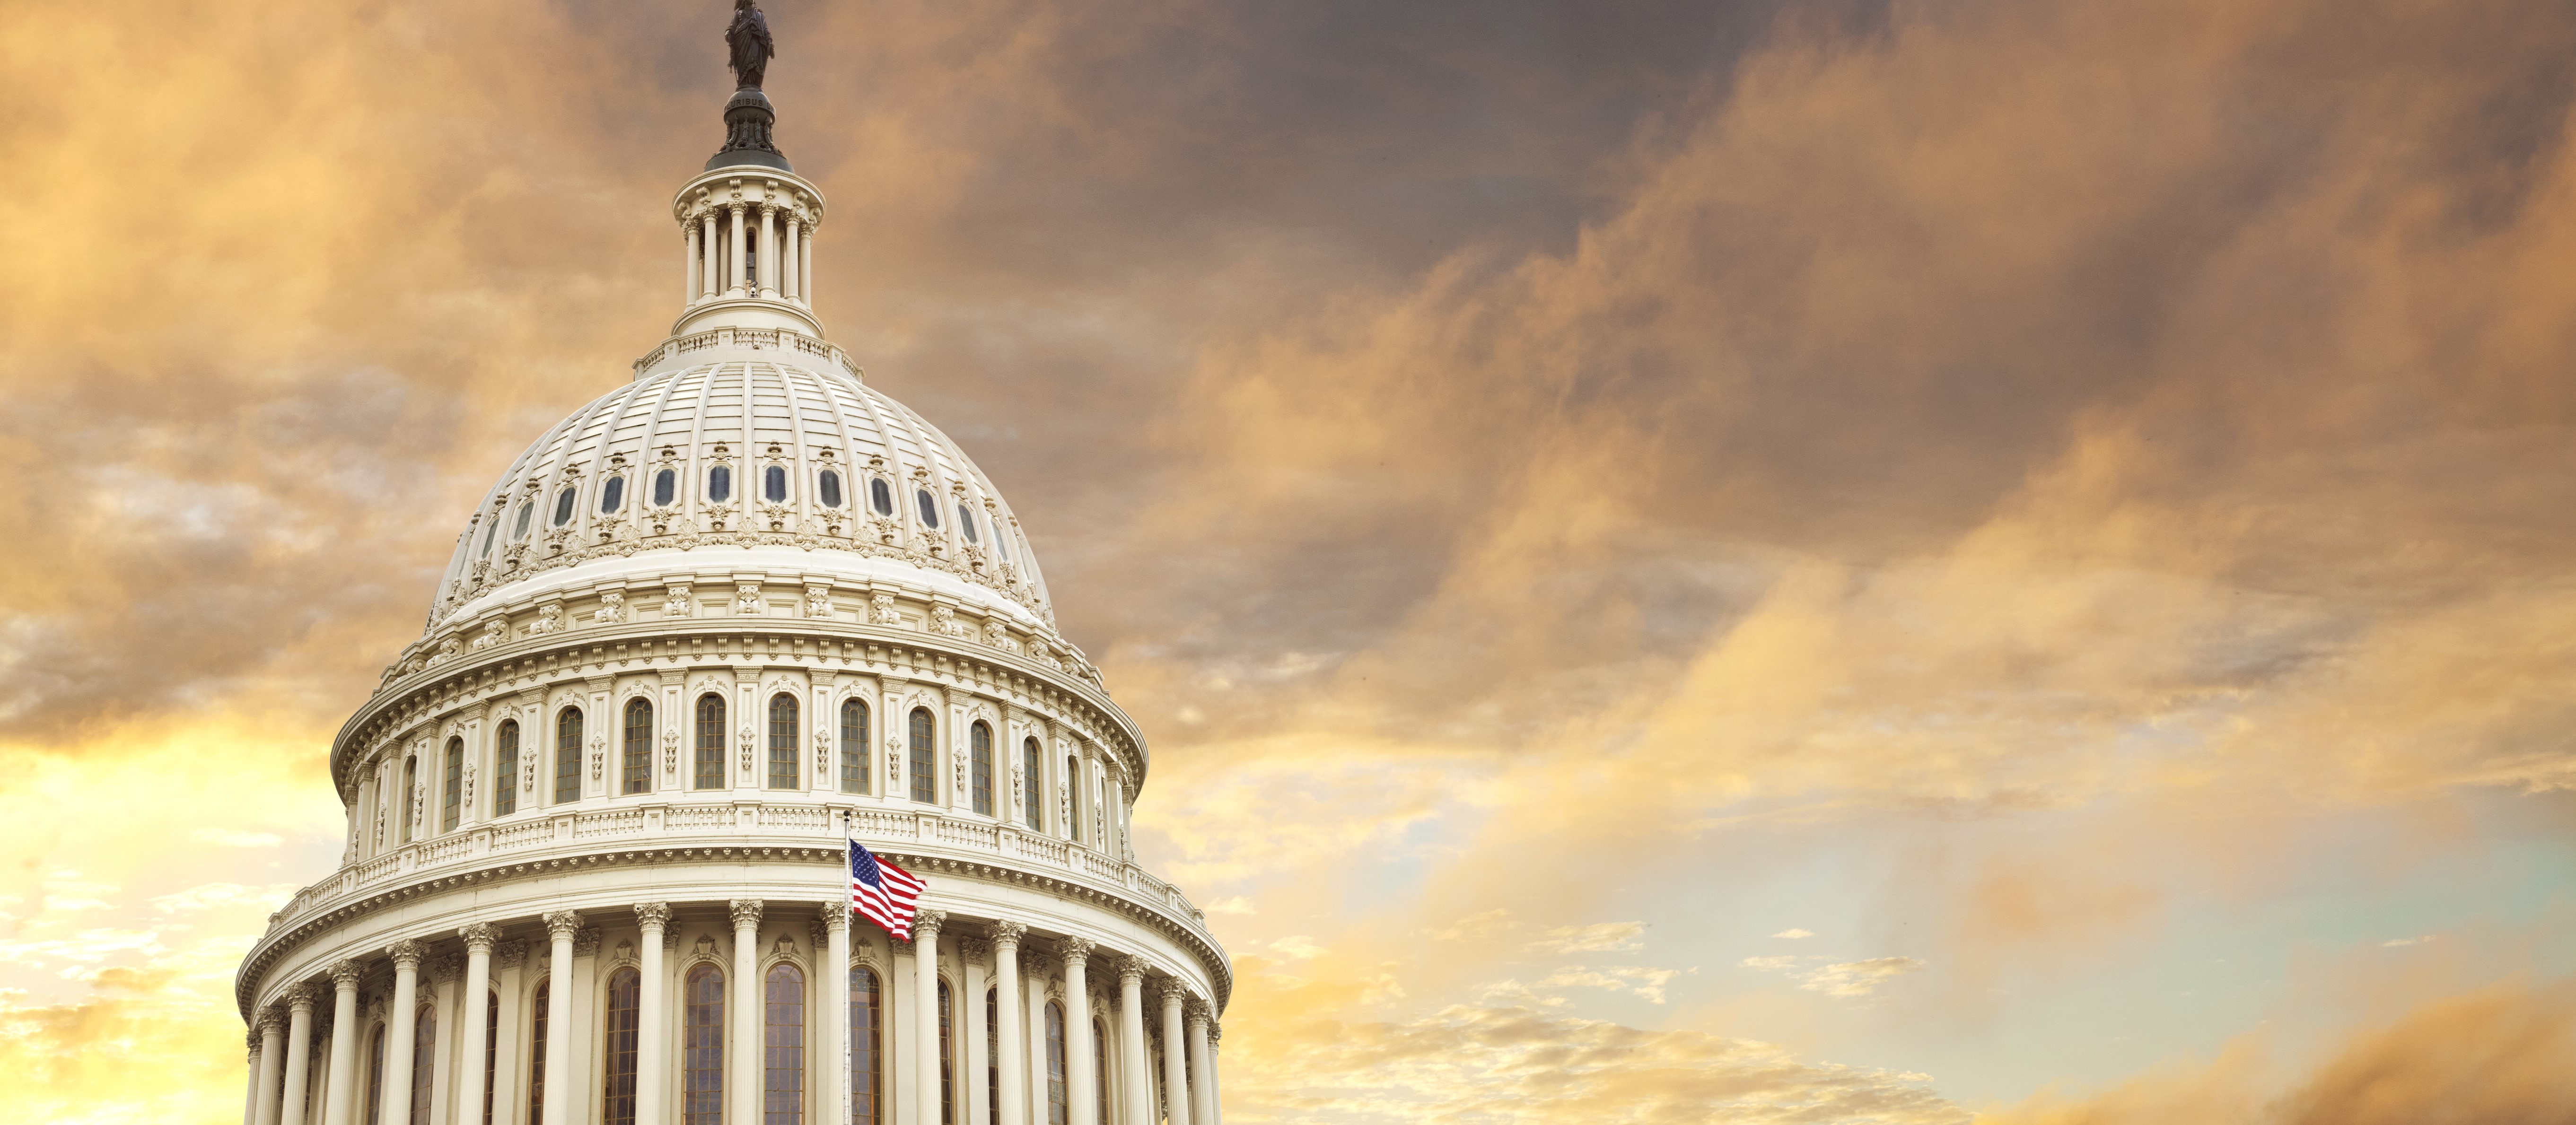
(1904, 562)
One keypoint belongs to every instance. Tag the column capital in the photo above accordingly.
(1175, 994)
(976, 951)
(652, 915)
(406, 954)
(446, 966)
(1007, 935)
(585, 942)
(835, 916)
(299, 997)
(1216, 1031)
(479, 937)
(928, 922)
(512, 953)
(345, 973)
(1076, 950)
(745, 911)
(272, 1018)
(562, 924)
(1131, 969)
(1198, 1015)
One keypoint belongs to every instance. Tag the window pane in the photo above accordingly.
(665, 484)
(782, 742)
(612, 495)
(376, 1077)
(854, 747)
(1059, 1103)
(491, 1049)
(711, 721)
(867, 1045)
(491, 531)
(568, 756)
(925, 764)
(947, 1077)
(519, 527)
(929, 508)
(882, 496)
(773, 484)
(702, 1047)
(625, 1011)
(452, 786)
(1034, 768)
(980, 767)
(563, 507)
(505, 771)
(1100, 1066)
(966, 522)
(537, 1055)
(782, 1045)
(638, 765)
(424, 1051)
(831, 489)
(720, 484)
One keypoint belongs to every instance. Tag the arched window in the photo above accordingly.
(666, 488)
(1073, 798)
(625, 1019)
(979, 766)
(773, 484)
(830, 488)
(880, 496)
(782, 1047)
(376, 1076)
(519, 526)
(1100, 1066)
(411, 785)
(563, 507)
(505, 770)
(1035, 769)
(612, 495)
(720, 484)
(947, 1072)
(929, 508)
(452, 786)
(854, 747)
(966, 522)
(925, 759)
(537, 1053)
(782, 741)
(702, 1046)
(638, 761)
(867, 1045)
(424, 1055)
(1002, 538)
(1059, 1099)
(491, 1049)
(710, 771)
(568, 755)
(491, 531)
(992, 1055)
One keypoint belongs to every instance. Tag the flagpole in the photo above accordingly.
(841, 973)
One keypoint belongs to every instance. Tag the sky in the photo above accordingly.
(1901, 562)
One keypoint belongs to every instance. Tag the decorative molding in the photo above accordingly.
(652, 916)
(510, 954)
(1007, 934)
(562, 925)
(345, 974)
(479, 937)
(406, 954)
(585, 942)
(745, 912)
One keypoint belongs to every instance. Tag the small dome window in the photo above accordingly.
(720, 484)
(563, 507)
(612, 495)
(830, 487)
(880, 495)
(929, 507)
(966, 522)
(666, 488)
(773, 484)
(1002, 539)
(491, 531)
(519, 527)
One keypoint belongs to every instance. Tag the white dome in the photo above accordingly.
(759, 457)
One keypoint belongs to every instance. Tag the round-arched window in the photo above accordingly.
(563, 507)
(830, 487)
(666, 488)
(773, 484)
(720, 484)
(929, 507)
(612, 495)
(880, 495)
(519, 527)
(966, 522)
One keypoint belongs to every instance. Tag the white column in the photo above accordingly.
(339, 1094)
(925, 964)
(250, 1091)
(1033, 1057)
(707, 258)
(1202, 1069)
(742, 1086)
(272, 1051)
(475, 1009)
(654, 917)
(560, 927)
(508, 1104)
(1013, 1051)
(832, 1062)
(688, 263)
(1176, 1073)
(445, 974)
(788, 259)
(396, 1108)
(734, 256)
(1081, 1073)
(805, 269)
(769, 276)
(1138, 1074)
(970, 1023)
(299, 1053)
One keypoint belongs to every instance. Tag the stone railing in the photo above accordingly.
(735, 824)
(751, 338)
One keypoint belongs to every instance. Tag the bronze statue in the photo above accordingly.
(749, 39)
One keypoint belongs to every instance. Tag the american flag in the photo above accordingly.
(882, 892)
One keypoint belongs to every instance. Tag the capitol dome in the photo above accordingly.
(705, 632)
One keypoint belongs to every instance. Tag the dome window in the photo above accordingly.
(830, 487)
(666, 488)
(491, 531)
(720, 484)
(966, 522)
(929, 508)
(563, 507)
(880, 495)
(1002, 539)
(612, 495)
(519, 527)
(773, 484)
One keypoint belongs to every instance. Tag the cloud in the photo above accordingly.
(1795, 934)
(1841, 978)
(1599, 937)
(236, 839)
(1484, 924)
(1645, 983)
(210, 896)
(1298, 947)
